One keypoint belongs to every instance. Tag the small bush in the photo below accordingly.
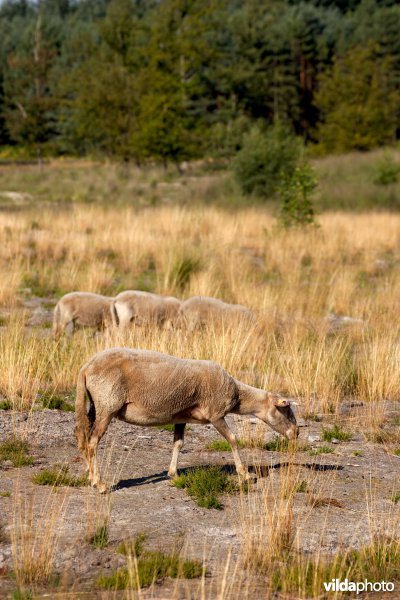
(99, 539)
(266, 157)
(17, 451)
(387, 171)
(22, 595)
(295, 193)
(151, 566)
(5, 494)
(206, 485)
(58, 476)
(335, 432)
(396, 498)
(322, 450)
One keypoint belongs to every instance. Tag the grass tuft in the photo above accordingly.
(16, 451)
(335, 432)
(321, 450)
(99, 539)
(151, 566)
(205, 485)
(133, 547)
(6, 405)
(58, 476)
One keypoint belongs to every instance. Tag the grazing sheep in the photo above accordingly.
(141, 308)
(201, 311)
(143, 387)
(81, 308)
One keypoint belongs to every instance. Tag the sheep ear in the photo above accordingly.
(280, 402)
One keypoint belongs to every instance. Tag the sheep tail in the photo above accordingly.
(84, 420)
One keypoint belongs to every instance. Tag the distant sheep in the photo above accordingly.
(143, 387)
(201, 311)
(81, 309)
(142, 308)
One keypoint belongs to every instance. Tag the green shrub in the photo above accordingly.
(265, 158)
(387, 171)
(295, 193)
(205, 485)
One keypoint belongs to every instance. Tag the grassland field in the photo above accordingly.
(327, 301)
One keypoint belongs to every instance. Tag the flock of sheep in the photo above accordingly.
(135, 307)
(145, 387)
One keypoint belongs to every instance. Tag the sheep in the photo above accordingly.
(143, 387)
(81, 308)
(201, 310)
(140, 308)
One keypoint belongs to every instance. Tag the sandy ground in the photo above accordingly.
(135, 459)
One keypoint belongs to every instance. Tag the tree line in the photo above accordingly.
(171, 80)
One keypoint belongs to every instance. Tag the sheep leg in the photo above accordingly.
(96, 435)
(222, 428)
(179, 433)
(69, 328)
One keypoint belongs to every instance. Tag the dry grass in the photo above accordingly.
(292, 280)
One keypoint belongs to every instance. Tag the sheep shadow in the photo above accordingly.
(259, 471)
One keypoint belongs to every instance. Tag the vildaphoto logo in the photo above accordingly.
(358, 586)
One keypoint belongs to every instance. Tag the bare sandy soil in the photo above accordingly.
(135, 459)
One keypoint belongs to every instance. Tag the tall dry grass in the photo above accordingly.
(291, 279)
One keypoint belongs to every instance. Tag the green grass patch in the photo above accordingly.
(150, 567)
(22, 595)
(358, 453)
(221, 445)
(58, 476)
(321, 450)
(335, 432)
(396, 498)
(277, 444)
(99, 539)
(53, 401)
(17, 451)
(5, 494)
(6, 405)
(206, 485)
(168, 427)
(396, 451)
(133, 547)
(305, 577)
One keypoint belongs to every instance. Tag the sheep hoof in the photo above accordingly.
(102, 488)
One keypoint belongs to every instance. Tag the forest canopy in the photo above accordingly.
(171, 80)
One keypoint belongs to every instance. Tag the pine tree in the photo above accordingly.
(358, 102)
